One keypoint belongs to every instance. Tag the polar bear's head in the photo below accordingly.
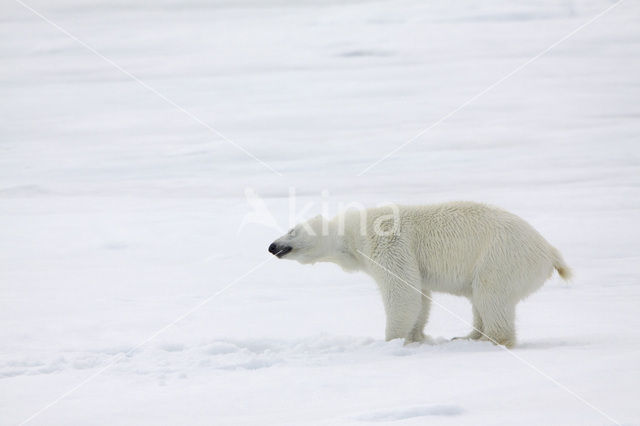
(307, 242)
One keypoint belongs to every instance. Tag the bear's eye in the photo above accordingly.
(292, 233)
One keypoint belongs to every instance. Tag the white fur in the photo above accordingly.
(488, 255)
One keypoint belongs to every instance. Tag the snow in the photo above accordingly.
(122, 213)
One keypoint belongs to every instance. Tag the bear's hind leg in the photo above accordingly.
(478, 328)
(498, 319)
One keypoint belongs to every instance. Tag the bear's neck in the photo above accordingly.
(344, 247)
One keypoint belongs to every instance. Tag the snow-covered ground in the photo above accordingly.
(120, 213)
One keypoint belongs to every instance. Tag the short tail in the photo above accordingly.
(558, 262)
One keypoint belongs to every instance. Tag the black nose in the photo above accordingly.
(279, 250)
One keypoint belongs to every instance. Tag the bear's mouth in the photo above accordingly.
(279, 250)
(283, 251)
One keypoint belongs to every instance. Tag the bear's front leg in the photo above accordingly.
(417, 333)
(403, 303)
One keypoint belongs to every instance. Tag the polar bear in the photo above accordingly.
(492, 257)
